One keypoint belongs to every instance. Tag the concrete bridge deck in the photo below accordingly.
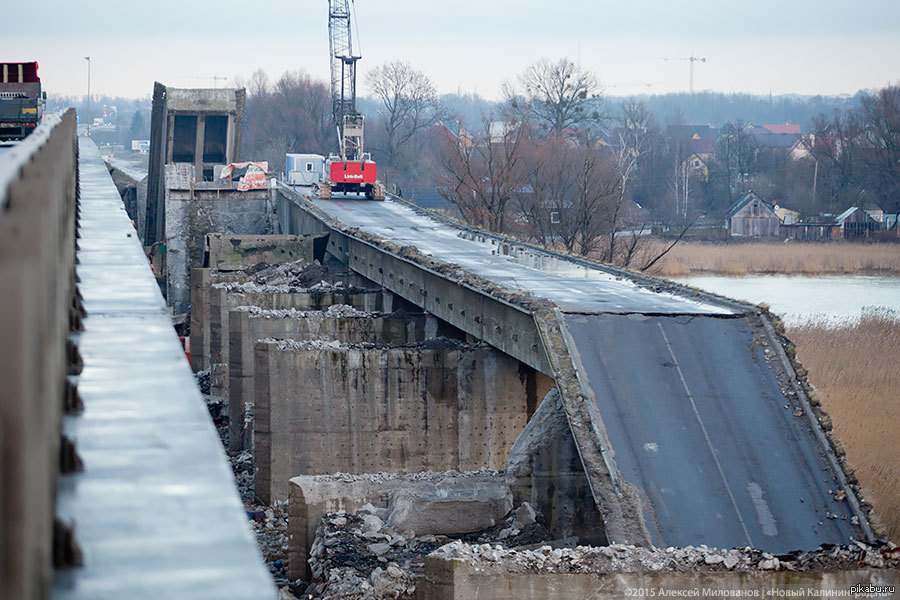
(686, 389)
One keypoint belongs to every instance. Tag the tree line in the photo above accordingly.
(558, 162)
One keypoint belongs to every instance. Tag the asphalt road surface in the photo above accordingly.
(697, 421)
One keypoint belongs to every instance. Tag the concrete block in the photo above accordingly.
(449, 511)
(238, 252)
(249, 324)
(313, 496)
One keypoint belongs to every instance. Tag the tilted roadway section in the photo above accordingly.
(691, 403)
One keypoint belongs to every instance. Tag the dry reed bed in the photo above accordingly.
(856, 372)
(794, 258)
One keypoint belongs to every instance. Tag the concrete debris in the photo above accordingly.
(438, 343)
(525, 515)
(460, 512)
(333, 311)
(633, 559)
(346, 562)
(294, 274)
(305, 344)
(431, 476)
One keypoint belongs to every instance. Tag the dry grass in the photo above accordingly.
(856, 372)
(794, 258)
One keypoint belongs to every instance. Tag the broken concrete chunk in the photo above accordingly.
(379, 548)
(451, 511)
(525, 515)
(371, 523)
(730, 561)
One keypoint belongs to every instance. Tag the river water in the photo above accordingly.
(800, 299)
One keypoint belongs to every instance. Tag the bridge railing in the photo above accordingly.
(38, 192)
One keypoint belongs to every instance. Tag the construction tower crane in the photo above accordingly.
(693, 59)
(351, 170)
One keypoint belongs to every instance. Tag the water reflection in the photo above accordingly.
(800, 299)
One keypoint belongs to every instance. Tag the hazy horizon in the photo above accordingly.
(803, 47)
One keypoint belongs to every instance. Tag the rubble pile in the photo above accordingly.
(439, 343)
(268, 522)
(270, 526)
(620, 558)
(381, 477)
(334, 311)
(362, 556)
(295, 274)
(289, 278)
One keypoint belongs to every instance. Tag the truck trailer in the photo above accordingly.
(21, 99)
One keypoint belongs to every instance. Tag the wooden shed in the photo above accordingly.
(856, 222)
(751, 216)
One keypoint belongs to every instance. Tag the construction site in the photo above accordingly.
(225, 383)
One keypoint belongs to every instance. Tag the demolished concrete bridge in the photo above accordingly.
(685, 412)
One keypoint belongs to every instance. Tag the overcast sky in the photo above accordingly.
(783, 46)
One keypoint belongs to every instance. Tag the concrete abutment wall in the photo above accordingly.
(398, 410)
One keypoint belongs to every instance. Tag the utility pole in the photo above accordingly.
(88, 59)
(815, 181)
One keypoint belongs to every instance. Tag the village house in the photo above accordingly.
(751, 216)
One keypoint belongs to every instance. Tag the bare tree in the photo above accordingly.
(880, 116)
(548, 171)
(560, 94)
(633, 143)
(736, 152)
(596, 184)
(409, 104)
(482, 171)
(259, 83)
(293, 115)
(835, 152)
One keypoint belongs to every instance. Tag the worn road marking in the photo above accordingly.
(763, 514)
(705, 434)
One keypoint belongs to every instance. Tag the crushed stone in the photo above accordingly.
(633, 559)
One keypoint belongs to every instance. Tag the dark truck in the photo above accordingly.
(21, 100)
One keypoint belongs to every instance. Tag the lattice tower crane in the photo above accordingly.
(352, 170)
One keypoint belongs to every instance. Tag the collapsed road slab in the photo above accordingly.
(731, 375)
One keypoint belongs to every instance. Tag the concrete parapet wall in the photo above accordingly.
(37, 252)
(360, 410)
(247, 326)
(457, 579)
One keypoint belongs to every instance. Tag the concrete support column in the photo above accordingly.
(388, 301)
(431, 327)
(198, 148)
(170, 136)
(370, 302)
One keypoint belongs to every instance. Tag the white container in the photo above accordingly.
(304, 169)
